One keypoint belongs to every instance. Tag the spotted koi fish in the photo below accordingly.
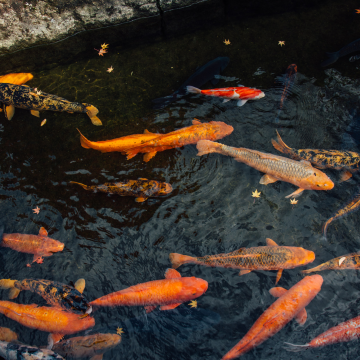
(24, 97)
(348, 161)
(351, 206)
(7, 335)
(55, 293)
(141, 188)
(13, 351)
(349, 261)
(270, 257)
(276, 168)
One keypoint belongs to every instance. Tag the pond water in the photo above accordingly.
(114, 242)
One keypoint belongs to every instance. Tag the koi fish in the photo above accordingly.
(168, 293)
(13, 351)
(7, 335)
(270, 257)
(142, 188)
(351, 206)
(344, 332)
(24, 97)
(290, 304)
(348, 161)
(349, 261)
(55, 293)
(118, 144)
(241, 93)
(299, 173)
(214, 130)
(39, 245)
(16, 78)
(90, 346)
(346, 50)
(49, 319)
(201, 76)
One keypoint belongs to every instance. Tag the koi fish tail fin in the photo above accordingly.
(91, 113)
(280, 145)
(325, 227)
(82, 185)
(296, 348)
(317, 268)
(332, 58)
(207, 147)
(85, 143)
(193, 90)
(178, 260)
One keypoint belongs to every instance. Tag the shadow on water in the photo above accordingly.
(114, 242)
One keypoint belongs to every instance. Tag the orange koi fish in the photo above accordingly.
(241, 93)
(299, 173)
(39, 245)
(214, 130)
(344, 332)
(90, 346)
(349, 261)
(351, 206)
(270, 257)
(118, 144)
(348, 161)
(291, 304)
(7, 335)
(49, 319)
(168, 293)
(16, 78)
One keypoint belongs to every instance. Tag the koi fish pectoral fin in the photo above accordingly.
(172, 274)
(277, 291)
(296, 193)
(278, 276)
(226, 100)
(267, 179)
(345, 175)
(149, 308)
(169, 307)
(148, 156)
(196, 122)
(9, 111)
(35, 113)
(141, 199)
(243, 272)
(14, 293)
(96, 121)
(241, 102)
(53, 338)
(43, 232)
(301, 317)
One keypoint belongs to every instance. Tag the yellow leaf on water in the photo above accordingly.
(281, 43)
(43, 122)
(193, 304)
(293, 201)
(119, 331)
(227, 42)
(256, 194)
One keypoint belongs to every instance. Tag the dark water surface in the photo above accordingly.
(114, 242)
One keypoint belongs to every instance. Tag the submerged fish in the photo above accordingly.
(354, 58)
(118, 144)
(13, 351)
(351, 206)
(16, 78)
(141, 188)
(201, 76)
(346, 331)
(291, 304)
(7, 335)
(90, 346)
(55, 293)
(241, 93)
(299, 173)
(38, 245)
(349, 261)
(348, 161)
(24, 97)
(346, 50)
(214, 130)
(270, 257)
(168, 293)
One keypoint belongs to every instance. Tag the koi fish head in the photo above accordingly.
(301, 256)
(53, 246)
(260, 95)
(221, 129)
(192, 288)
(319, 180)
(164, 189)
(75, 302)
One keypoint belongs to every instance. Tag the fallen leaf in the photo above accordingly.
(281, 43)
(193, 304)
(110, 69)
(227, 42)
(43, 122)
(341, 260)
(293, 201)
(256, 194)
(119, 331)
(36, 210)
(357, 11)
(104, 46)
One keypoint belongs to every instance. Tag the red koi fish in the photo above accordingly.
(39, 245)
(168, 293)
(49, 319)
(291, 304)
(344, 332)
(241, 93)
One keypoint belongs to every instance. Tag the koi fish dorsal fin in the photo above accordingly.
(196, 122)
(305, 162)
(172, 274)
(43, 232)
(277, 291)
(146, 131)
(238, 251)
(270, 242)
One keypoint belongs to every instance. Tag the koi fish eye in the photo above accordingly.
(315, 174)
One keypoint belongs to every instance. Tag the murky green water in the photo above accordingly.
(114, 242)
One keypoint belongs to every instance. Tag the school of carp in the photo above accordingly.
(70, 312)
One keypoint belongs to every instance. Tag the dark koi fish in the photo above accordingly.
(346, 50)
(24, 97)
(349, 261)
(270, 257)
(55, 293)
(201, 76)
(350, 207)
(348, 161)
(142, 188)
